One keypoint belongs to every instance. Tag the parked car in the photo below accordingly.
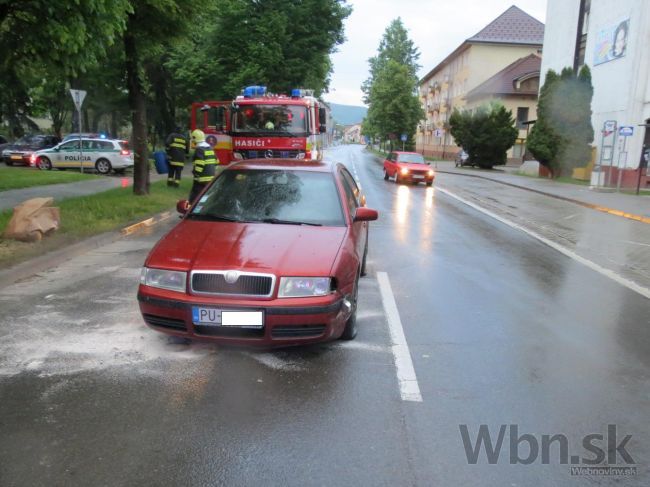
(21, 151)
(462, 159)
(270, 254)
(408, 167)
(103, 155)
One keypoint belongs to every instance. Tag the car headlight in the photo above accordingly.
(238, 156)
(298, 287)
(404, 170)
(163, 279)
(301, 155)
(430, 172)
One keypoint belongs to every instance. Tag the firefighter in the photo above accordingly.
(204, 164)
(177, 147)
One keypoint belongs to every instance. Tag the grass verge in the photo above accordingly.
(85, 216)
(25, 177)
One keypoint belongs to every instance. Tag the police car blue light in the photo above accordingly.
(252, 91)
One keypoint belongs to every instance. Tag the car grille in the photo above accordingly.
(223, 331)
(420, 173)
(270, 154)
(297, 331)
(246, 284)
(163, 322)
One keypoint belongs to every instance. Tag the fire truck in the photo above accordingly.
(258, 124)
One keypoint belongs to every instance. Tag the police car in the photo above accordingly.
(103, 155)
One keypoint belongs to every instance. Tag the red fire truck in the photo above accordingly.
(262, 125)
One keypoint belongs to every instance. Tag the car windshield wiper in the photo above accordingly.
(289, 222)
(219, 218)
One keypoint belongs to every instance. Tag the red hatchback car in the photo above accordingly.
(270, 254)
(408, 167)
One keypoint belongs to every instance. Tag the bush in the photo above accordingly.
(485, 134)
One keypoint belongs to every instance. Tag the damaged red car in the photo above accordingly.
(270, 254)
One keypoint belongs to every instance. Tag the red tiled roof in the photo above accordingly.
(503, 83)
(514, 26)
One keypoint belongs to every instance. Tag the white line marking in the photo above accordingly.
(408, 382)
(643, 291)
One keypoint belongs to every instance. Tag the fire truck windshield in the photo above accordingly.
(279, 120)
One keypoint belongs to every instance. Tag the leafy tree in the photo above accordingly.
(395, 45)
(561, 138)
(485, 134)
(390, 91)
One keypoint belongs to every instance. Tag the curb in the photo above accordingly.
(52, 259)
(603, 209)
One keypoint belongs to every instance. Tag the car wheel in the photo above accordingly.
(350, 330)
(429, 183)
(103, 166)
(365, 256)
(385, 175)
(45, 164)
(9, 163)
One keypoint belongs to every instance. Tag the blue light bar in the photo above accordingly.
(252, 91)
(296, 93)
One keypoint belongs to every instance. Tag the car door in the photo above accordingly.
(66, 154)
(353, 198)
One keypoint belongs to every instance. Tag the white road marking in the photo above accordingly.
(408, 383)
(643, 291)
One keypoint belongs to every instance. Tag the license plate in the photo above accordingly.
(218, 317)
(17, 158)
(417, 176)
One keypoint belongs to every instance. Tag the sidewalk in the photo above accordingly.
(13, 197)
(637, 205)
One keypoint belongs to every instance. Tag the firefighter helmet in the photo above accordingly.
(198, 136)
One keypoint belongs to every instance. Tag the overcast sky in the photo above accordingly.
(437, 27)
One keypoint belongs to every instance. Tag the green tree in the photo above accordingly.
(390, 91)
(485, 134)
(561, 138)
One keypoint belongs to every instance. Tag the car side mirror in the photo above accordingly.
(364, 214)
(182, 206)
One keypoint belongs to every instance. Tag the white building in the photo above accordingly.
(614, 41)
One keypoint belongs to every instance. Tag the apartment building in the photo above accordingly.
(612, 37)
(511, 36)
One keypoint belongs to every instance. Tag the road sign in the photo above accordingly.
(403, 138)
(626, 131)
(78, 98)
(609, 127)
(438, 132)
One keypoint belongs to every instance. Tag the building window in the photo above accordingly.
(581, 37)
(522, 116)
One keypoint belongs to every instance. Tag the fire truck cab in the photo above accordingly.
(261, 125)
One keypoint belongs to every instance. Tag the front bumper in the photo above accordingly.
(412, 178)
(285, 321)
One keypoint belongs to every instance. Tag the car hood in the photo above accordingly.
(414, 166)
(257, 247)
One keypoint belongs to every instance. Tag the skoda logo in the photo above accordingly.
(268, 154)
(231, 277)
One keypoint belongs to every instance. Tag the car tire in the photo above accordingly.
(363, 273)
(103, 166)
(350, 330)
(429, 183)
(9, 163)
(385, 175)
(45, 164)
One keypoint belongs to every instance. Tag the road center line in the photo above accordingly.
(408, 382)
(643, 291)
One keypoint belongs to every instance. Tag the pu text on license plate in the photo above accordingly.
(218, 317)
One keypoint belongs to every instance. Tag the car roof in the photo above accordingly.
(298, 164)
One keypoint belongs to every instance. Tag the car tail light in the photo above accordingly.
(125, 152)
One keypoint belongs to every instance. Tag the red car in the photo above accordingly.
(408, 167)
(270, 254)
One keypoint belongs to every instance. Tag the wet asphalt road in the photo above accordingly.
(501, 330)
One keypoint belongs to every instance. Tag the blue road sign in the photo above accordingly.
(626, 131)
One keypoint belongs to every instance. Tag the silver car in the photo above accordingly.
(103, 155)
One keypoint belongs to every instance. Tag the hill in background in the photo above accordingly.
(347, 114)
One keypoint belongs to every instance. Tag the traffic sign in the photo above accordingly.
(78, 97)
(626, 131)
(609, 127)
(438, 132)
(403, 137)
